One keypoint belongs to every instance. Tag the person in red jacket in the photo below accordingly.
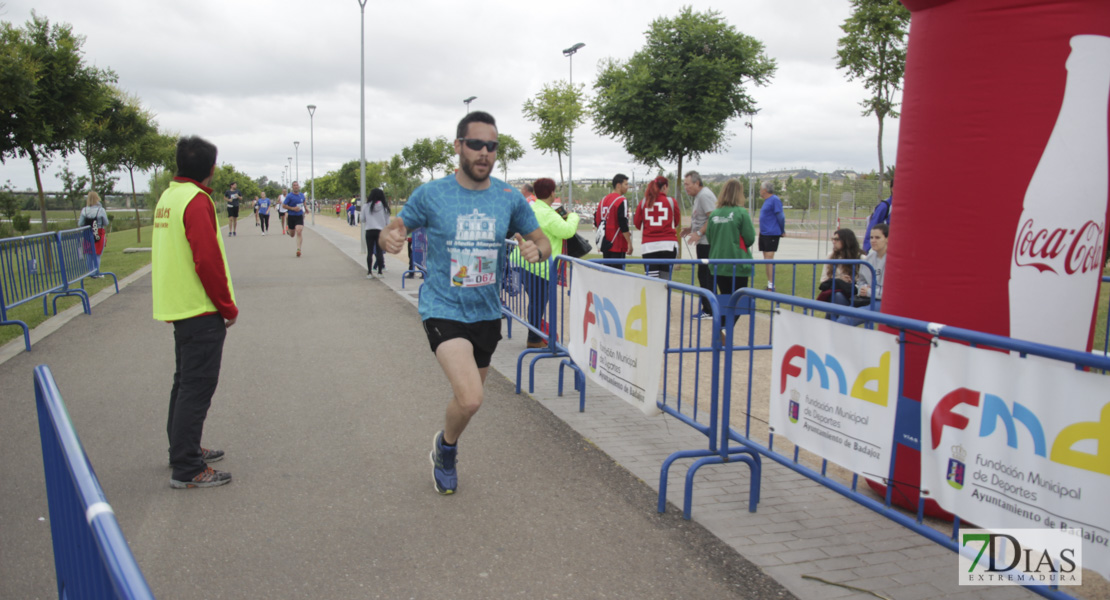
(658, 218)
(611, 219)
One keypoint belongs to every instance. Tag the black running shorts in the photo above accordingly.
(293, 220)
(483, 335)
(769, 243)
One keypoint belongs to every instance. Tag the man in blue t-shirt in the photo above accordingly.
(262, 207)
(772, 226)
(466, 218)
(294, 218)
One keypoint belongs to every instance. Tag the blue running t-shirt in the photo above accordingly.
(466, 232)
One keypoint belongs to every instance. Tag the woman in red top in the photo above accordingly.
(658, 218)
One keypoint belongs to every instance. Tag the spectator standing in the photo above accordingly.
(467, 217)
(772, 226)
(375, 218)
(94, 215)
(658, 217)
(611, 219)
(528, 192)
(254, 204)
(881, 214)
(232, 197)
(191, 288)
(558, 226)
(705, 202)
(731, 234)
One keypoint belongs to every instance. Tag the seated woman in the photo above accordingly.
(838, 279)
(868, 288)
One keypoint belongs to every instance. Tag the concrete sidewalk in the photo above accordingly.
(327, 405)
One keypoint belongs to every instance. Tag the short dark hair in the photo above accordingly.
(883, 227)
(618, 179)
(544, 186)
(474, 117)
(195, 157)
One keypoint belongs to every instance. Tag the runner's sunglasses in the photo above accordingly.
(474, 144)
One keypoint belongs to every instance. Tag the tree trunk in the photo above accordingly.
(881, 170)
(562, 181)
(138, 226)
(38, 182)
(678, 196)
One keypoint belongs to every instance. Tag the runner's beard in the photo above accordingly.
(467, 167)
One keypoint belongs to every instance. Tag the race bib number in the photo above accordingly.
(473, 267)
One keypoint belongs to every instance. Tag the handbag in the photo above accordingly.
(578, 246)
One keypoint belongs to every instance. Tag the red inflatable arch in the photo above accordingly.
(999, 219)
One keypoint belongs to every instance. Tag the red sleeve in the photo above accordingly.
(638, 219)
(201, 231)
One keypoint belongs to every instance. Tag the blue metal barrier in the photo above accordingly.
(758, 437)
(29, 269)
(91, 557)
(77, 253)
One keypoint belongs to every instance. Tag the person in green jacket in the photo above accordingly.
(731, 234)
(557, 225)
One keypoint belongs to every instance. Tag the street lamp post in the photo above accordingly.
(467, 103)
(569, 53)
(312, 157)
(362, 117)
(297, 153)
(751, 146)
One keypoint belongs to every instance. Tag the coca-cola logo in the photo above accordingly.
(1060, 249)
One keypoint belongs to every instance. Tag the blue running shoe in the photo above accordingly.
(444, 476)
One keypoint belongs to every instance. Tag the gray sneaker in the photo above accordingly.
(209, 477)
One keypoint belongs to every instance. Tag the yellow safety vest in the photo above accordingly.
(177, 290)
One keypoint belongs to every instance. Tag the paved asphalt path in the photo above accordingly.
(327, 405)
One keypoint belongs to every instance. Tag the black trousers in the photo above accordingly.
(705, 278)
(198, 348)
(618, 255)
(373, 249)
(265, 220)
(537, 303)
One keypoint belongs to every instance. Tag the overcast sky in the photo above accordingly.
(242, 73)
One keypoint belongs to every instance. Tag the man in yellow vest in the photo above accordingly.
(191, 285)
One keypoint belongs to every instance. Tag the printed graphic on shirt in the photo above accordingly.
(658, 214)
(474, 251)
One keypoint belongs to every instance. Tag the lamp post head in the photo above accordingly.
(470, 99)
(311, 109)
(297, 145)
(573, 49)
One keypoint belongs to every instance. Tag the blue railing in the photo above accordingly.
(419, 257)
(37, 266)
(91, 557)
(691, 393)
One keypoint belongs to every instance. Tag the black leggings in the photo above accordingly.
(373, 249)
(659, 271)
(265, 220)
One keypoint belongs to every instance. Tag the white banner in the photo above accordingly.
(834, 391)
(1017, 443)
(616, 333)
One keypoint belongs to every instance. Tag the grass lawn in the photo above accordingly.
(113, 260)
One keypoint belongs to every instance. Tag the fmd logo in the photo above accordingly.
(634, 325)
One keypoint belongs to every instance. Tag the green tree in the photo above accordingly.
(400, 179)
(427, 154)
(48, 94)
(673, 98)
(73, 189)
(508, 151)
(558, 109)
(873, 50)
(135, 145)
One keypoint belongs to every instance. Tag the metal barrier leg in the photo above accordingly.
(663, 471)
(520, 365)
(544, 353)
(26, 332)
(80, 293)
(745, 456)
(579, 382)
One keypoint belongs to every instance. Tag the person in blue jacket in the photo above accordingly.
(881, 215)
(772, 226)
